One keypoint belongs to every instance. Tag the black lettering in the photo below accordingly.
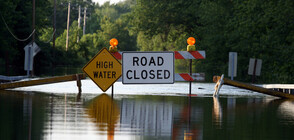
(113, 74)
(110, 65)
(144, 61)
(160, 61)
(151, 73)
(159, 74)
(100, 75)
(105, 64)
(95, 74)
(108, 74)
(152, 61)
(142, 74)
(135, 76)
(104, 74)
(129, 71)
(135, 60)
(166, 74)
(98, 64)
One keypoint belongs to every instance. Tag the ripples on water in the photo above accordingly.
(35, 115)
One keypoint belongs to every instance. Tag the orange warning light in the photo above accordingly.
(191, 41)
(113, 42)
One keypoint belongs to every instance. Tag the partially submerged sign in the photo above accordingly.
(104, 69)
(148, 67)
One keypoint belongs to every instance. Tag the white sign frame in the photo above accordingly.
(166, 60)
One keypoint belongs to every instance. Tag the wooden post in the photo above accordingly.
(68, 18)
(79, 83)
(253, 88)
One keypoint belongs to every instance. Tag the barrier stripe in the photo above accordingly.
(186, 76)
(178, 55)
(117, 55)
(197, 55)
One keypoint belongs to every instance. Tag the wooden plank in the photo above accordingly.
(254, 88)
(41, 81)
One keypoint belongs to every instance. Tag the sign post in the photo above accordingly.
(104, 69)
(254, 68)
(148, 68)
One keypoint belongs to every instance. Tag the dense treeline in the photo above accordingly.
(262, 29)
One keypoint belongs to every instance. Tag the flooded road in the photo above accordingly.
(145, 113)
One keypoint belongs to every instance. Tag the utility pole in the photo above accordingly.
(85, 14)
(68, 15)
(54, 23)
(33, 40)
(34, 15)
(79, 24)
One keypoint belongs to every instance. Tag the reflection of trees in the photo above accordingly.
(22, 115)
(105, 112)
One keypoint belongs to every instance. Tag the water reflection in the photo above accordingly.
(286, 112)
(217, 112)
(105, 112)
(31, 115)
(146, 117)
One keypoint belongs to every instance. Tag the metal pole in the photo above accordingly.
(190, 82)
(112, 91)
(29, 62)
(68, 15)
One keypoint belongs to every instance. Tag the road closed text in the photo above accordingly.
(148, 67)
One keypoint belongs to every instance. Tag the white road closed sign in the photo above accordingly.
(148, 67)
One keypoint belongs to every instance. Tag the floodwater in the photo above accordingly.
(56, 112)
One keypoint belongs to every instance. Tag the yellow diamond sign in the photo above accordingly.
(104, 69)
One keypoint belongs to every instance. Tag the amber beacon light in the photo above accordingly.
(113, 45)
(113, 42)
(191, 41)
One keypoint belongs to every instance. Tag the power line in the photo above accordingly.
(13, 34)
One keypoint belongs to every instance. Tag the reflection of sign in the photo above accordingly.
(104, 110)
(254, 66)
(103, 69)
(148, 67)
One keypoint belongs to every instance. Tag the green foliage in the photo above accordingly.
(261, 29)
